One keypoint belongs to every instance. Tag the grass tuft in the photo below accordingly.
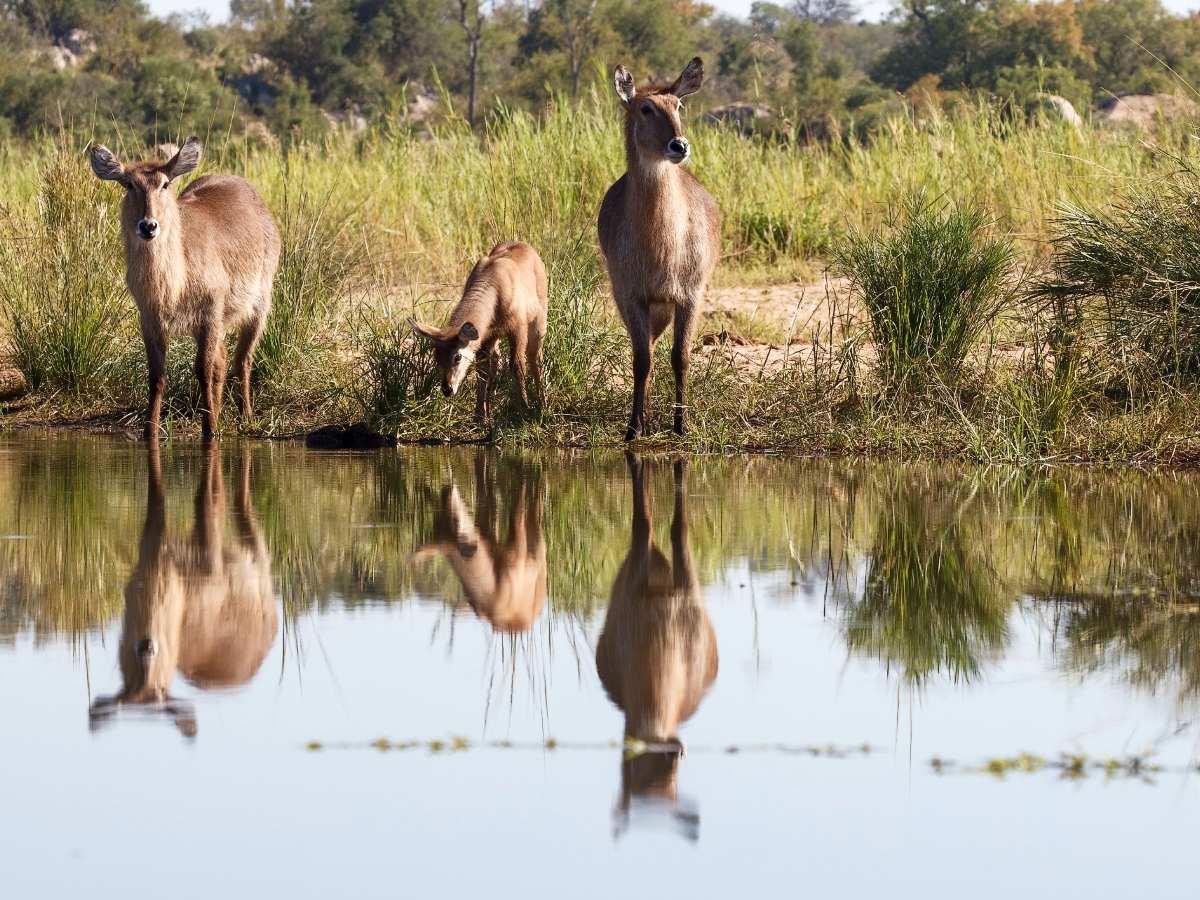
(931, 280)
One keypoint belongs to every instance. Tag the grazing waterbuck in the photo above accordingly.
(660, 231)
(506, 297)
(204, 608)
(657, 653)
(200, 263)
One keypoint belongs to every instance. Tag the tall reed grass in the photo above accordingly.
(380, 226)
(931, 281)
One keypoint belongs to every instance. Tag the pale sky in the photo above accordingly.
(218, 10)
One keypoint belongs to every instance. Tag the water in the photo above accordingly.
(198, 652)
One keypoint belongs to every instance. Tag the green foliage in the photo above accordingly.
(63, 304)
(932, 280)
(1125, 282)
(830, 78)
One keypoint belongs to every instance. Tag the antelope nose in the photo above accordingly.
(146, 648)
(447, 390)
(148, 228)
(678, 146)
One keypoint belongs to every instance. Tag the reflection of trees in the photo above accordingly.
(932, 602)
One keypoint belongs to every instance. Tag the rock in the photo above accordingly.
(61, 58)
(420, 108)
(741, 116)
(1145, 111)
(346, 120)
(1062, 108)
(255, 64)
(79, 42)
(348, 437)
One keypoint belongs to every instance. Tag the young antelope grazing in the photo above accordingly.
(660, 231)
(200, 263)
(505, 297)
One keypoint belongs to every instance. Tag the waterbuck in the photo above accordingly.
(657, 653)
(200, 263)
(660, 231)
(504, 581)
(505, 298)
(204, 608)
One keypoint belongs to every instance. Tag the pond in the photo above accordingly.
(441, 670)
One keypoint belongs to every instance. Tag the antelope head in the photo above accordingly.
(452, 351)
(149, 209)
(653, 129)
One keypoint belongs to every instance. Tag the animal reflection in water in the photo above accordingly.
(202, 607)
(657, 655)
(503, 581)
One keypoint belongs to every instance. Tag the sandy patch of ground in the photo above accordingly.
(794, 310)
(763, 328)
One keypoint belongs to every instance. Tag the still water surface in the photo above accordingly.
(199, 650)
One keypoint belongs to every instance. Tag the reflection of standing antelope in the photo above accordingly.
(505, 582)
(203, 608)
(657, 653)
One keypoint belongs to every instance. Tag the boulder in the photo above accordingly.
(740, 116)
(1145, 111)
(1062, 108)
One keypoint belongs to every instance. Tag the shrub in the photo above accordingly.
(1125, 283)
(931, 280)
(66, 314)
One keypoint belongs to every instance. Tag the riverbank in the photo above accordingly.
(1059, 363)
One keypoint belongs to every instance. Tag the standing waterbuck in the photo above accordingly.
(660, 231)
(202, 262)
(505, 297)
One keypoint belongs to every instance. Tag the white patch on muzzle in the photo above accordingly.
(466, 357)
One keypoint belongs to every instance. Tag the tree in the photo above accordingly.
(472, 18)
(574, 24)
(824, 12)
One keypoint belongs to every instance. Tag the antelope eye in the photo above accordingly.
(457, 358)
(647, 110)
(165, 185)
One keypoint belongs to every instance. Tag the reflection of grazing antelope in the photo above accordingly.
(204, 608)
(657, 654)
(505, 582)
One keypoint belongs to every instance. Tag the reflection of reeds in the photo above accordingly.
(932, 603)
(944, 559)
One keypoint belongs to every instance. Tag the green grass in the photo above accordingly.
(380, 227)
(931, 281)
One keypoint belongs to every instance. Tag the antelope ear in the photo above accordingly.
(467, 333)
(106, 166)
(184, 161)
(425, 331)
(623, 81)
(689, 79)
